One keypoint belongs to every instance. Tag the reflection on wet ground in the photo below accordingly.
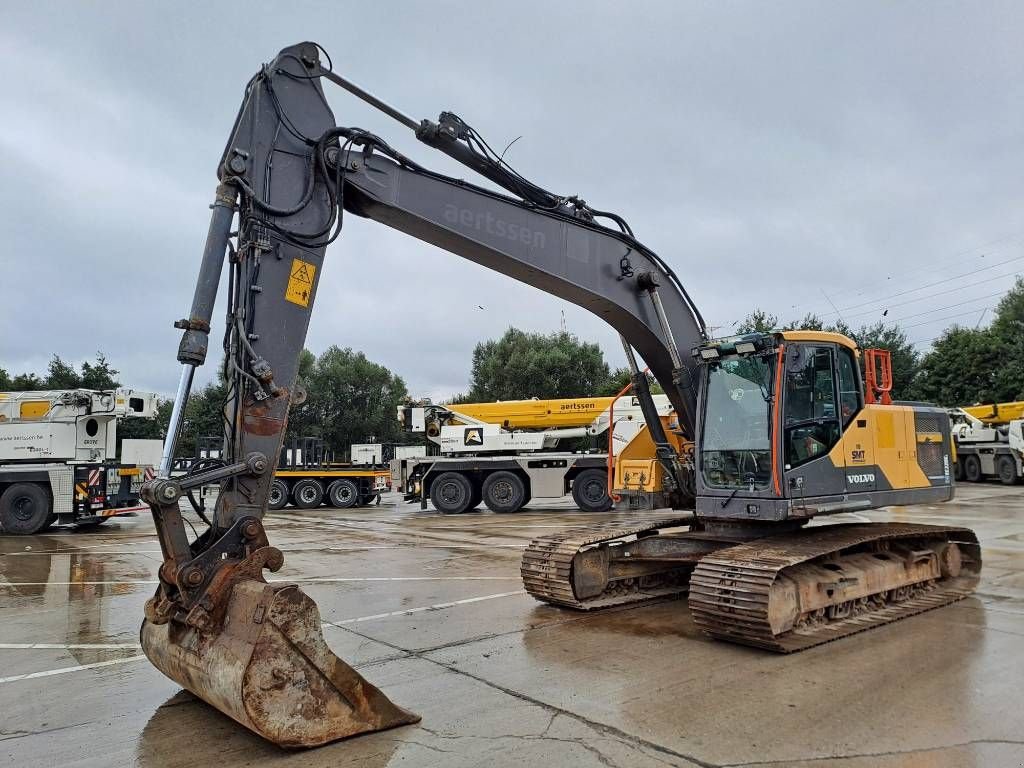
(430, 609)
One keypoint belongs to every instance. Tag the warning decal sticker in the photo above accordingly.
(300, 283)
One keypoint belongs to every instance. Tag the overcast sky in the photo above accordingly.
(784, 156)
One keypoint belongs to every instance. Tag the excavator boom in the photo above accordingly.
(288, 177)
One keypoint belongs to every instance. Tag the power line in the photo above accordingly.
(956, 258)
(943, 309)
(943, 319)
(937, 293)
(930, 285)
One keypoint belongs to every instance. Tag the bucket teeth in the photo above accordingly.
(269, 668)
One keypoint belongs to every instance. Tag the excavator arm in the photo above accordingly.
(288, 178)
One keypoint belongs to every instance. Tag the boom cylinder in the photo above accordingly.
(196, 327)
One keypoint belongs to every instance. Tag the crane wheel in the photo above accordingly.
(452, 493)
(342, 494)
(307, 493)
(504, 492)
(25, 508)
(278, 497)
(590, 491)
(1007, 468)
(972, 469)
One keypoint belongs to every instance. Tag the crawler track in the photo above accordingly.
(729, 590)
(547, 565)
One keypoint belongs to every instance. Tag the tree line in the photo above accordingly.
(964, 365)
(351, 399)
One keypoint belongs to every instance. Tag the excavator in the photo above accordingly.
(779, 429)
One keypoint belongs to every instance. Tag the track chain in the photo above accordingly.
(547, 563)
(729, 589)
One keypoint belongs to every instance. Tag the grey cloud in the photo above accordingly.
(769, 151)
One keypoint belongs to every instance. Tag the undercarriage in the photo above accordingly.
(783, 591)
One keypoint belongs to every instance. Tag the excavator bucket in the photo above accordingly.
(267, 666)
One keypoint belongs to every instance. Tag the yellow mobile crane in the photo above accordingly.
(504, 453)
(996, 413)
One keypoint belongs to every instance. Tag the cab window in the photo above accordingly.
(810, 417)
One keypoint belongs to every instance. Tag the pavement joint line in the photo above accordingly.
(422, 608)
(286, 551)
(66, 670)
(855, 756)
(67, 646)
(310, 580)
(598, 726)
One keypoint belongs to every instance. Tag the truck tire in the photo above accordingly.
(590, 491)
(1007, 469)
(958, 470)
(25, 508)
(308, 493)
(278, 498)
(972, 469)
(342, 494)
(504, 492)
(452, 493)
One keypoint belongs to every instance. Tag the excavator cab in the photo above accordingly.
(788, 432)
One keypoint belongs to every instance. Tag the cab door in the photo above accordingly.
(857, 447)
(811, 423)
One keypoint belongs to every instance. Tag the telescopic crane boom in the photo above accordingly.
(777, 430)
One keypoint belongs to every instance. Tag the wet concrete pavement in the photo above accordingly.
(431, 610)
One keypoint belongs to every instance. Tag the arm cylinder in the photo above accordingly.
(196, 327)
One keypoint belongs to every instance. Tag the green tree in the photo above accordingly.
(959, 369)
(350, 399)
(5, 381)
(758, 321)
(60, 375)
(99, 375)
(26, 382)
(617, 379)
(521, 365)
(1008, 334)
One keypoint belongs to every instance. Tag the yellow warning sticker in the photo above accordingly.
(300, 283)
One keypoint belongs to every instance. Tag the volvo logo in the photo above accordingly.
(867, 477)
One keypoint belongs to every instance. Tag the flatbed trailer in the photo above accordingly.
(338, 486)
(458, 484)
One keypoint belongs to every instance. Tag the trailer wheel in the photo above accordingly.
(972, 469)
(342, 494)
(590, 491)
(307, 493)
(1008, 471)
(24, 509)
(452, 493)
(278, 498)
(504, 492)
